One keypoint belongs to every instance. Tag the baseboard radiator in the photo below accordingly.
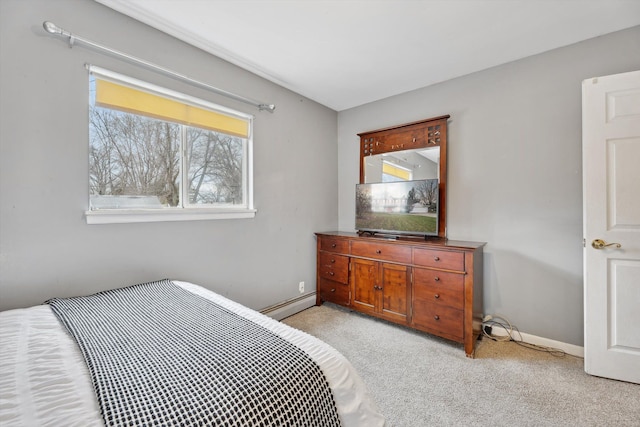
(291, 306)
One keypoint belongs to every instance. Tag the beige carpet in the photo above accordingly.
(420, 380)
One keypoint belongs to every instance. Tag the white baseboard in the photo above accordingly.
(290, 307)
(574, 350)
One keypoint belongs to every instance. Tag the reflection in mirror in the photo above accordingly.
(406, 165)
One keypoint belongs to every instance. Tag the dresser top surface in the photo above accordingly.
(407, 240)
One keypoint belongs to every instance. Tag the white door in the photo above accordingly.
(611, 174)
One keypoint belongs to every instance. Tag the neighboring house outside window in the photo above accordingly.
(159, 155)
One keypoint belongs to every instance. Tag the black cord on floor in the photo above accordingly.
(491, 322)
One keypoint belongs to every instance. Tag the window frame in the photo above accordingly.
(187, 211)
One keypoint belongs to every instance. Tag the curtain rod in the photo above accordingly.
(73, 39)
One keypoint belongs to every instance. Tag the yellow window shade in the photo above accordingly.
(392, 170)
(123, 98)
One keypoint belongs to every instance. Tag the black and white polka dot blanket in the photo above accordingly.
(159, 355)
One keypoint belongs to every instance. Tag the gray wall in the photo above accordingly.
(47, 249)
(514, 173)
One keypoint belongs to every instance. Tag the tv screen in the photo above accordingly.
(406, 207)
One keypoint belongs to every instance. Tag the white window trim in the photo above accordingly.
(190, 212)
(123, 216)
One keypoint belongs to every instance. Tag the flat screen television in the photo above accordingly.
(398, 208)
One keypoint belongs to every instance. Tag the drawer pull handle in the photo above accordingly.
(333, 245)
(379, 288)
(378, 251)
(437, 279)
(436, 296)
(436, 317)
(331, 273)
(333, 261)
(333, 290)
(436, 258)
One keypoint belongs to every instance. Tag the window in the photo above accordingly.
(159, 155)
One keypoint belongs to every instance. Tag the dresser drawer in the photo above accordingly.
(441, 320)
(439, 259)
(334, 245)
(439, 279)
(438, 287)
(383, 251)
(335, 292)
(334, 267)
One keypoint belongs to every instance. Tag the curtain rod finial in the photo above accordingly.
(51, 28)
(269, 107)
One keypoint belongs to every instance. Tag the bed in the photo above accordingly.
(55, 370)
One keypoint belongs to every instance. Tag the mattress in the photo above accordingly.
(44, 379)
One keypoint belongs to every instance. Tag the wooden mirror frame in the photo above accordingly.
(410, 136)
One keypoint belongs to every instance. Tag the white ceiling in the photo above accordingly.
(347, 53)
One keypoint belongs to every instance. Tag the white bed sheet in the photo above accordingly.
(44, 380)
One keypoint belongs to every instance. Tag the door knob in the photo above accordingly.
(601, 244)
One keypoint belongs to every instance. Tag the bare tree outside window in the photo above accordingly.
(215, 167)
(131, 156)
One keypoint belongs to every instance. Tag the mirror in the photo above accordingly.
(408, 152)
(407, 165)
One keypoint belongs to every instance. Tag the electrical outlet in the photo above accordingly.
(301, 287)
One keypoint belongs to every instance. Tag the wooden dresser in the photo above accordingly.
(432, 286)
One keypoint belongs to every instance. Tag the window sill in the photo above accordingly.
(122, 216)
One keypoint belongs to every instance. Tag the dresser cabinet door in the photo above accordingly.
(380, 288)
(394, 289)
(364, 283)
